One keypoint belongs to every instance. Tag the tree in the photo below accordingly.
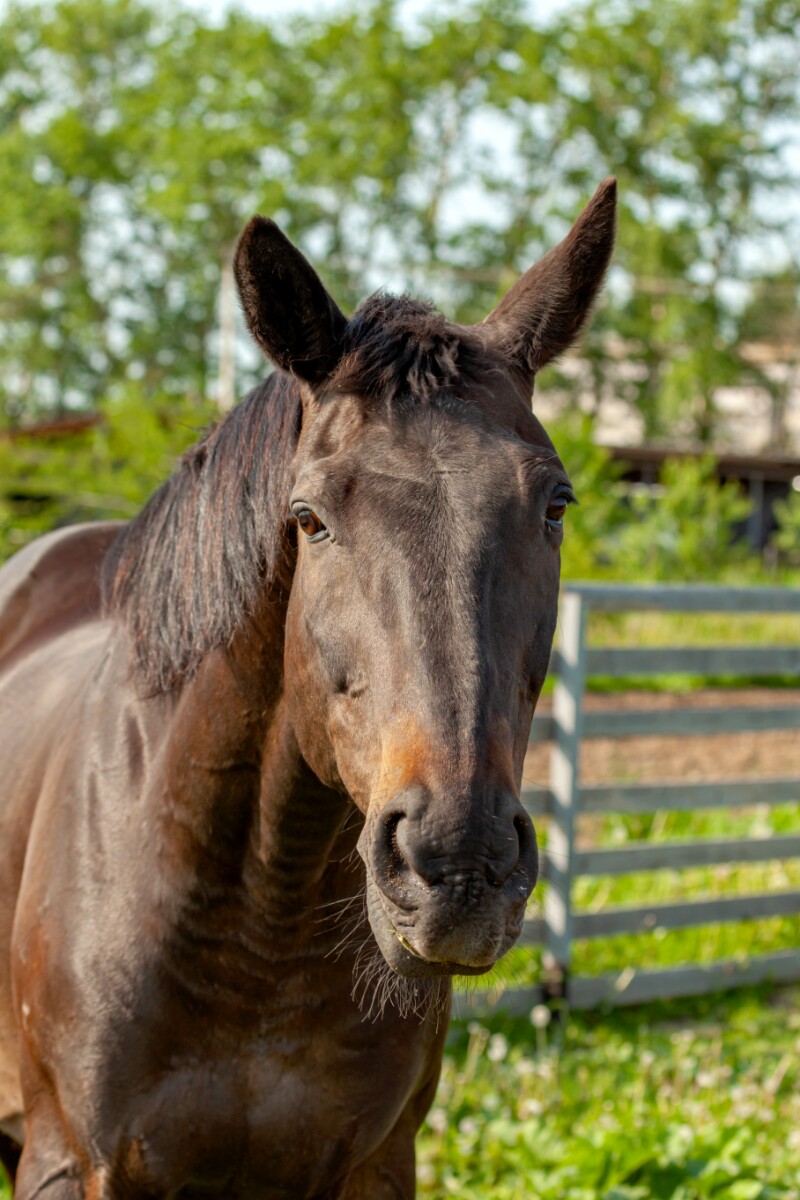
(770, 333)
(442, 157)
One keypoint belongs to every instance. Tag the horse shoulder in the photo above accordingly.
(52, 585)
(48, 589)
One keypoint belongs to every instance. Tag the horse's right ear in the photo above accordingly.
(286, 305)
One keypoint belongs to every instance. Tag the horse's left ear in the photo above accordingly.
(546, 309)
(287, 307)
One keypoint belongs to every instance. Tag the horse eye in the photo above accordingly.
(554, 517)
(311, 525)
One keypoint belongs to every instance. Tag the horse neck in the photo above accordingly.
(299, 841)
(259, 817)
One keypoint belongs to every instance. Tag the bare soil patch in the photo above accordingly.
(681, 759)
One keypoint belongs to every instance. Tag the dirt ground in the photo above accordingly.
(681, 759)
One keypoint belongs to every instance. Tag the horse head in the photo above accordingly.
(429, 503)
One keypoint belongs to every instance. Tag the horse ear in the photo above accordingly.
(546, 309)
(286, 305)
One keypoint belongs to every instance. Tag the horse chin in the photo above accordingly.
(399, 953)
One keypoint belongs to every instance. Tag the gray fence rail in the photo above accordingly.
(570, 725)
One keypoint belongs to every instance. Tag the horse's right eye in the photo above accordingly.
(311, 525)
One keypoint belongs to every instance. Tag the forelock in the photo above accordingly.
(396, 347)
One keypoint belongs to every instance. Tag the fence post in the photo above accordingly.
(564, 774)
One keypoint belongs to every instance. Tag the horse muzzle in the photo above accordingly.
(448, 897)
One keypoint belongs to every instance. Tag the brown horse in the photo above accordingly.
(300, 682)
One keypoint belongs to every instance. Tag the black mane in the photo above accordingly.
(185, 573)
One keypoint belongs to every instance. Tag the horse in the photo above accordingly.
(262, 751)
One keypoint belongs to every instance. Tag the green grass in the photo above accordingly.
(681, 1102)
(693, 1100)
(656, 629)
(657, 949)
(684, 684)
(693, 629)
(651, 629)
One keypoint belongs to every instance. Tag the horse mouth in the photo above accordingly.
(408, 960)
(407, 945)
(441, 968)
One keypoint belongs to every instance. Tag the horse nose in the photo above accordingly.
(419, 842)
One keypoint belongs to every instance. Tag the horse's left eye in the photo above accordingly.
(311, 525)
(554, 518)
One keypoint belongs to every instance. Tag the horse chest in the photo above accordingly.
(213, 1057)
(279, 1114)
(198, 1047)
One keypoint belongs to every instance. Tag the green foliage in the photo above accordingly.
(591, 524)
(441, 155)
(786, 538)
(672, 1102)
(104, 473)
(683, 531)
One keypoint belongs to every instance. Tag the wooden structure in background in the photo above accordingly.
(57, 427)
(763, 478)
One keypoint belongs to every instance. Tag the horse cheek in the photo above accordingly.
(308, 709)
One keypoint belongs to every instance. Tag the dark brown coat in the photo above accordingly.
(260, 799)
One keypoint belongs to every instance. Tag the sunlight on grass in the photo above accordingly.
(685, 1101)
(693, 629)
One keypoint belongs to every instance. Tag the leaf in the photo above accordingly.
(743, 1189)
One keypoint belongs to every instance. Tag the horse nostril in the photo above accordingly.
(528, 849)
(396, 859)
(408, 852)
(388, 859)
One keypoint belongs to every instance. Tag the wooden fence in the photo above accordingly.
(570, 725)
